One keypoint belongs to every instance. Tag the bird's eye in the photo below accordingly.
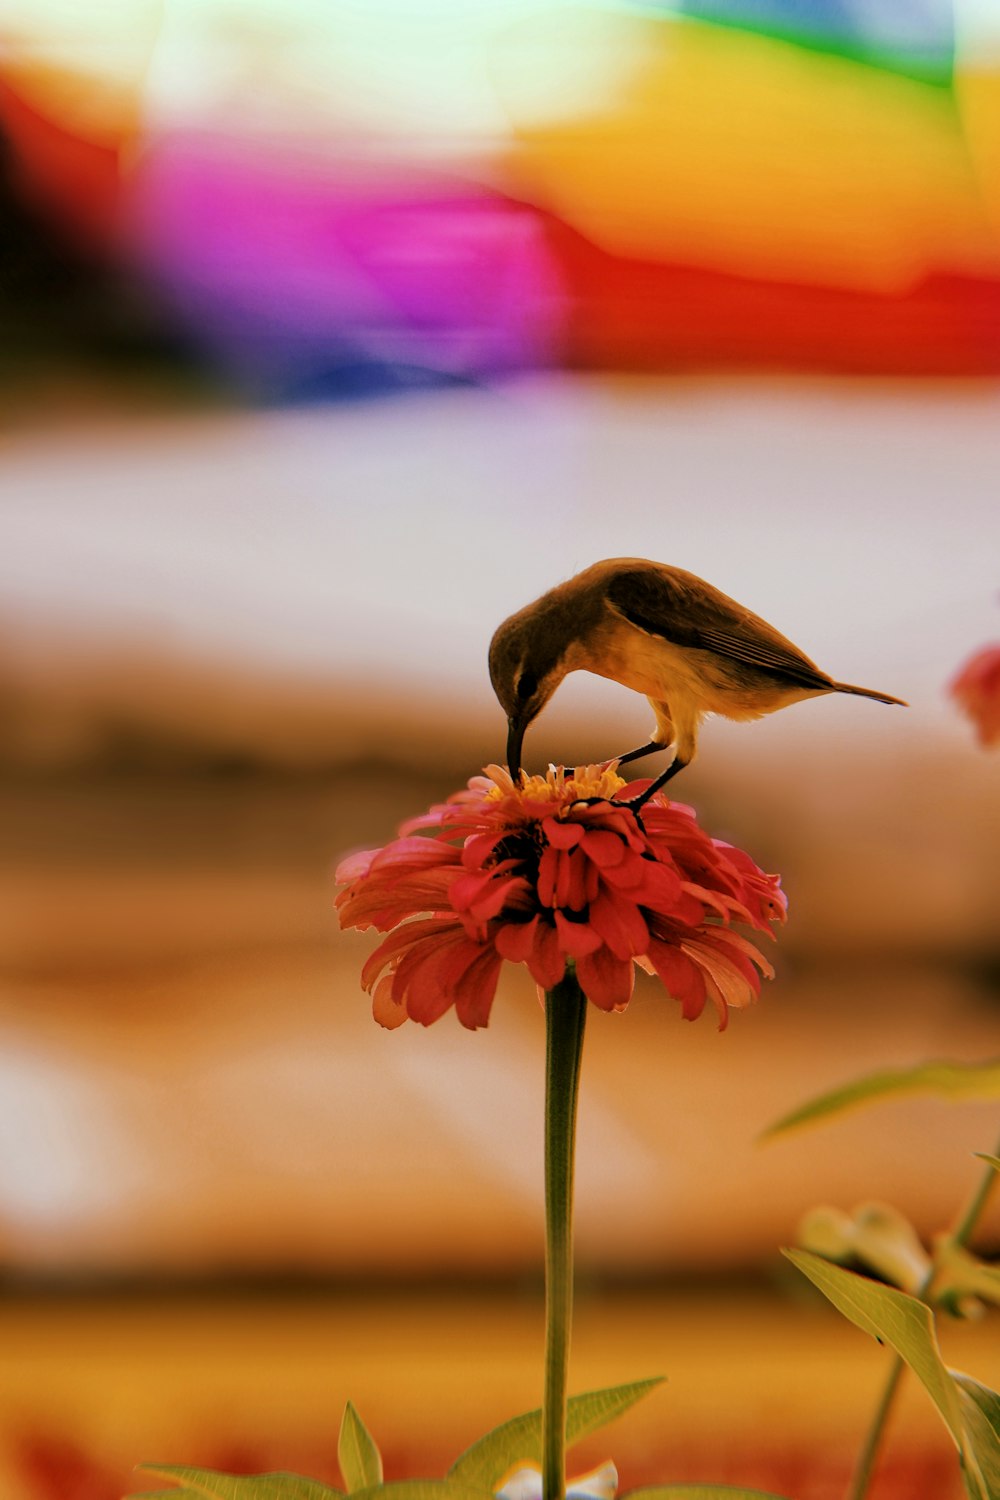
(527, 686)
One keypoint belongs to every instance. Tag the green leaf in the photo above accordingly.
(893, 1318)
(981, 1412)
(959, 1274)
(210, 1484)
(357, 1453)
(424, 1489)
(699, 1492)
(184, 1494)
(595, 1409)
(908, 1327)
(520, 1439)
(874, 1236)
(994, 1161)
(950, 1079)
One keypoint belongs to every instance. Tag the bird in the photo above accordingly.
(688, 647)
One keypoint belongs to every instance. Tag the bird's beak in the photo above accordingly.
(515, 734)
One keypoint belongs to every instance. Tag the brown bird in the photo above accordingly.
(663, 632)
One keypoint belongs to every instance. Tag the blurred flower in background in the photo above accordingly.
(976, 689)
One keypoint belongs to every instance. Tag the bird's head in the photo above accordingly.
(527, 664)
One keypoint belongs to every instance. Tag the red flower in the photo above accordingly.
(977, 691)
(554, 871)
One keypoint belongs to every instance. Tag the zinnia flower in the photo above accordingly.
(556, 871)
(977, 691)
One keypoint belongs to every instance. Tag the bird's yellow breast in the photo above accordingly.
(639, 661)
(693, 682)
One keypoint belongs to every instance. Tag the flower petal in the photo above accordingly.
(546, 964)
(483, 896)
(620, 923)
(354, 866)
(478, 848)
(561, 834)
(515, 940)
(433, 981)
(570, 888)
(402, 938)
(548, 869)
(414, 853)
(603, 847)
(738, 986)
(476, 990)
(387, 1012)
(576, 938)
(606, 980)
(683, 980)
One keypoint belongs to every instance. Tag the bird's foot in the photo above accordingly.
(648, 749)
(635, 803)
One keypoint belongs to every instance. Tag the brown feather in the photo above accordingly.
(686, 611)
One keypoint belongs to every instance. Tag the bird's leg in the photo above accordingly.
(635, 803)
(649, 749)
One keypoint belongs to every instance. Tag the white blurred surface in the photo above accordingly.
(386, 542)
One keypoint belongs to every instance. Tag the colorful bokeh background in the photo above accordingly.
(332, 200)
(330, 334)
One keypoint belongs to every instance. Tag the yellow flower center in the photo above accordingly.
(557, 785)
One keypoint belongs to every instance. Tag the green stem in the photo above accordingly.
(960, 1235)
(966, 1226)
(873, 1441)
(565, 1017)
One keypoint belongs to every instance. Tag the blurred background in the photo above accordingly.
(330, 334)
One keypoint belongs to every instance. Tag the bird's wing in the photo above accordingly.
(687, 612)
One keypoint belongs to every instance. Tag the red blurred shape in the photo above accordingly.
(976, 690)
(74, 180)
(56, 1468)
(644, 315)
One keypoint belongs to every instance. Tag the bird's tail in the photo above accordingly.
(845, 687)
